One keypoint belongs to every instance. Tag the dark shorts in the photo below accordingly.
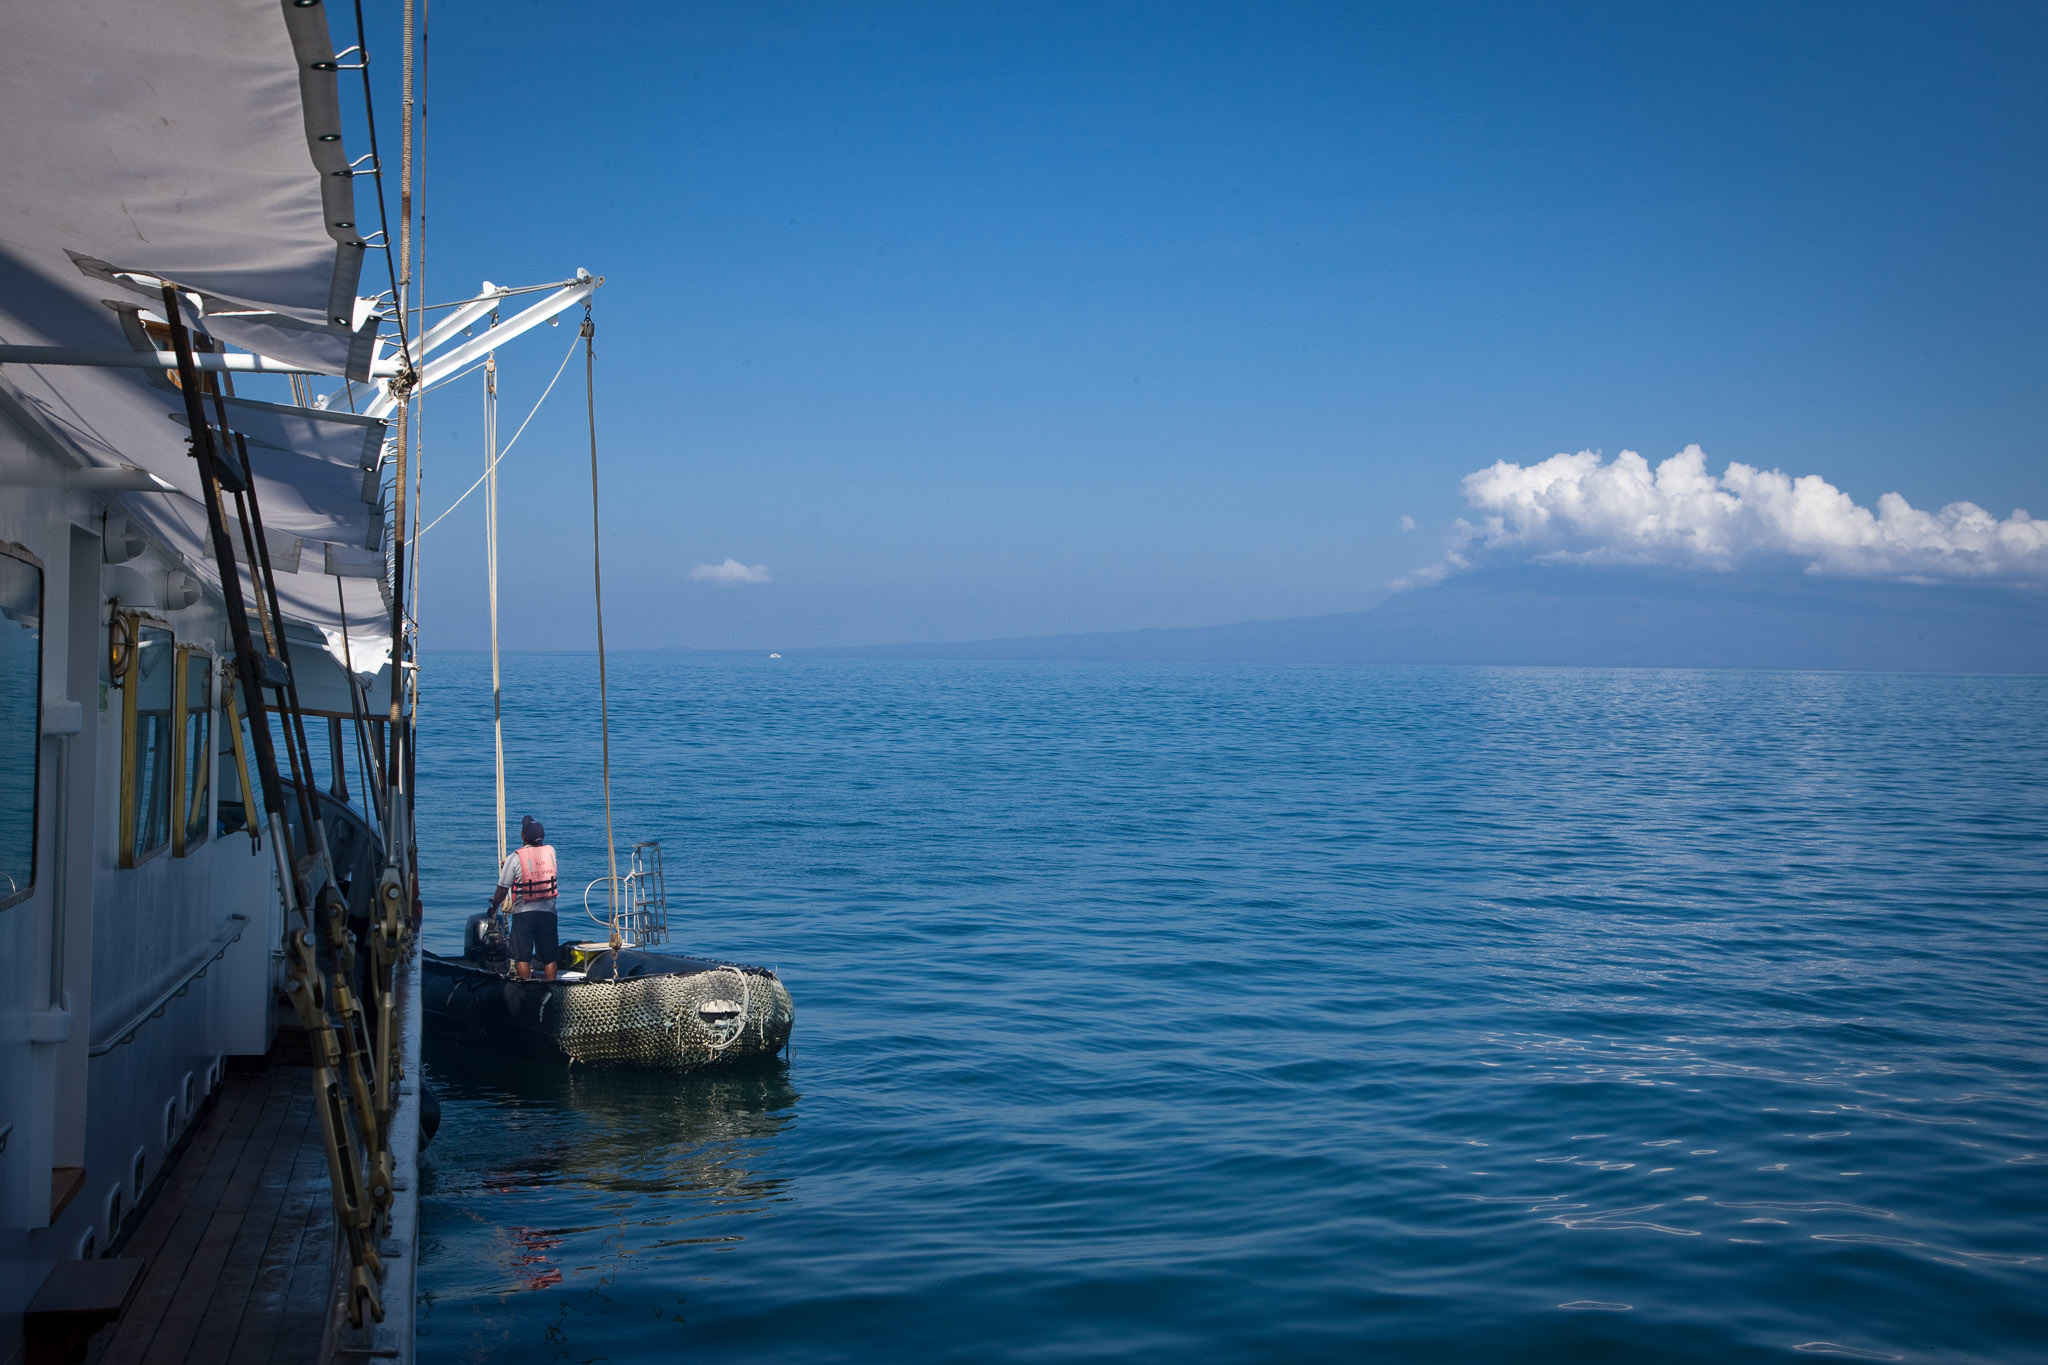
(534, 936)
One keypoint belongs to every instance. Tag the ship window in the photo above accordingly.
(238, 795)
(148, 743)
(21, 685)
(195, 750)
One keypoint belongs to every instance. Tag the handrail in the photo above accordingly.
(222, 941)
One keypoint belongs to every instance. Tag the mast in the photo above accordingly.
(398, 765)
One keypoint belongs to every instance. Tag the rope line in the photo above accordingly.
(508, 445)
(611, 848)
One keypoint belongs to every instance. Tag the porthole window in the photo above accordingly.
(21, 689)
(148, 742)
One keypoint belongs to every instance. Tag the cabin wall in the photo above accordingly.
(73, 951)
(36, 514)
(95, 945)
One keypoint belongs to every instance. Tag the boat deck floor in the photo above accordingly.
(239, 1238)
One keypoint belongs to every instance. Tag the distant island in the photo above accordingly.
(1580, 617)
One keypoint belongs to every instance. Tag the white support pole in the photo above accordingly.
(440, 368)
(463, 316)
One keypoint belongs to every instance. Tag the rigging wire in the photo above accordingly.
(383, 217)
(570, 355)
(502, 293)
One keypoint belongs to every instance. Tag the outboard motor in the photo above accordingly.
(483, 941)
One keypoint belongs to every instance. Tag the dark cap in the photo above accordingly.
(530, 829)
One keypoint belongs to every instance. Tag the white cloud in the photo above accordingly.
(1407, 523)
(731, 574)
(1577, 508)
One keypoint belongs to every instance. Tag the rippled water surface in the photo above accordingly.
(1260, 1014)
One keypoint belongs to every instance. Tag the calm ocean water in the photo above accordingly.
(1274, 1014)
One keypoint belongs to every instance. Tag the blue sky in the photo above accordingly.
(978, 320)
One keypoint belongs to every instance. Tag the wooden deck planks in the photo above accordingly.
(206, 1273)
(240, 1294)
(238, 1238)
(274, 1328)
(169, 1230)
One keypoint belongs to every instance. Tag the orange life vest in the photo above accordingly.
(536, 879)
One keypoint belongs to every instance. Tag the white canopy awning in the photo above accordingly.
(196, 143)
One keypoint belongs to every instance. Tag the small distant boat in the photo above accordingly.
(774, 656)
(631, 1006)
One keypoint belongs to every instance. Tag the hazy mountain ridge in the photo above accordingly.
(1596, 618)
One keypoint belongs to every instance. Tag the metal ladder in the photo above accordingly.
(646, 896)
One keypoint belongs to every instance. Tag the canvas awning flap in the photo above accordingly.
(324, 601)
(322, 681)
(323, 346)
(280, 336)
(310, 478)
(312, 499)
(342, 438)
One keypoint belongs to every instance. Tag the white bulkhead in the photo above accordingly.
(135, 958)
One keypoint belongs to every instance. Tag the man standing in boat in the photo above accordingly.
(528, 879)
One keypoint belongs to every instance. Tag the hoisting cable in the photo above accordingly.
(491, 570)
(604, 717)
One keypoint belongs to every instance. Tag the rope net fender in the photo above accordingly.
(672, 1022)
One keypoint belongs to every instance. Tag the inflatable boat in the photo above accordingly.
(625, 1007)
